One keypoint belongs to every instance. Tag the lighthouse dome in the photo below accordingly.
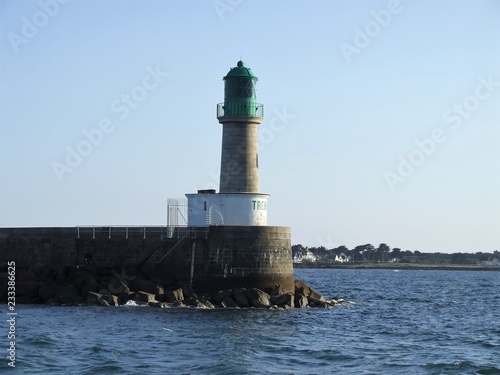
(240, 70)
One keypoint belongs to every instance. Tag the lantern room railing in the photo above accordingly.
(240, 109)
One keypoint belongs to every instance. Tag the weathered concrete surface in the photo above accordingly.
(224, 257)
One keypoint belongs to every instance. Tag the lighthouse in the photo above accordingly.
(239, 201)
(240, 116)
(237, 248)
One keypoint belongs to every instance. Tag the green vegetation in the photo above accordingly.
(368, 254)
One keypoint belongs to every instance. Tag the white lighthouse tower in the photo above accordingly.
(239, 202)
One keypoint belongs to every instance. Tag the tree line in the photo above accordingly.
(383, 253)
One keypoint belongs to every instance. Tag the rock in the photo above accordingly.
(207, 303)
(204, 304)
(92, 298)
(192, 301)
(312, 295)
(144, 286)
(195, 302)
(124, 297)
(178, 304)
(102, 302)
(61, 274)
(283, 300)
(219, 297)
(78, 284)
(104, 291)
(240, 297)
(68, 295)
(26, 292)
(116, 286)
(112, 300)
(89, 286)
(315, 298)
(300, 300)
(129, 271)
(175, 295)
(47, 290)
(161, 297)
(104, 270)
(229, 303)
(82, 275)
(144, 297)
(258, 298)
(187, 290)
(43, 272)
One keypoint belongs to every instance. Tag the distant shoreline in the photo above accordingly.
(400, 266)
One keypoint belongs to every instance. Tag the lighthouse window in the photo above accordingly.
(240, 88)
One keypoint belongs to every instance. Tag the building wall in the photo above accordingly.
(239, 160)
(246, 209)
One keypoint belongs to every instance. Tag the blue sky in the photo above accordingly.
(382, 118)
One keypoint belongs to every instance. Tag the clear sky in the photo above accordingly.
(382, 118)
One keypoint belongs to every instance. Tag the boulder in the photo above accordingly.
(47, 290)
(103, 301)
(112, 300)
(221, 295)
(187, 290)
(175, 295)
(129, 272)
(104, 291)
(284, 300)
(61, 274)
(78, 284)
(68, 295)
(82, 275)
(104, 270)
(315, 298)
(92, 298)
(124, 297)
(229, 303)
(312, 295)
(117, 286)
(258, 298)
(89, 286)
(26, 292)
(207, 303)
(301, 288)
(147, 286)
(300, 300)
(240, 297)
(43, 272)
(144, 297)
(178, 304)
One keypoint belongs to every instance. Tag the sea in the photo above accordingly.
(396, 322)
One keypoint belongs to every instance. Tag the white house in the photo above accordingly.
(306, 255)
(342, 258)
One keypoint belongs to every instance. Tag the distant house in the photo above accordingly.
(342, 258)
(304, 255)
(490, 262)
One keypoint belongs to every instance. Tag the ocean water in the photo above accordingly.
(398, 322)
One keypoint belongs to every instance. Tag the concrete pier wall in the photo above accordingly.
(218, 257)
(257, 256)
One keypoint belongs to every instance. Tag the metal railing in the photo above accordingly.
(137, 232)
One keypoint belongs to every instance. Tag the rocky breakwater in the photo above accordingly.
(109, 286)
